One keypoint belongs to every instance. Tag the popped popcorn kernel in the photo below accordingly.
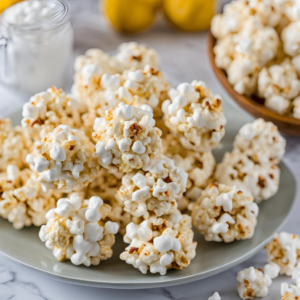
(253, 283)
(284, 251)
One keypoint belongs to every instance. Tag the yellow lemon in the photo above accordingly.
(190, 15)
(6, 3)
(131, 16)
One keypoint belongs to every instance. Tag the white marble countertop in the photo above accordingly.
(183, 58)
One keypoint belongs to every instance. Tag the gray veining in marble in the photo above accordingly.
(183, 58)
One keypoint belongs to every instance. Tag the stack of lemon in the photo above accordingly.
(131, 16)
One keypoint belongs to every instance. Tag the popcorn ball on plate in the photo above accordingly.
(253, 283)
(237, 168)
(278, 84)
(135, 56)
(284, 251)
(195, 116)
(24, 202)
(199, 166)
(75, 230)
(14, 145)
(63, 160)
(261, 141)
(153, 190)
(291, 38)
(46, 110)
(160, 244)
(147, 86)
(225, 213)
(126, 138)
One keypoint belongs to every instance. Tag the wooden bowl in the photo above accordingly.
(253, 106)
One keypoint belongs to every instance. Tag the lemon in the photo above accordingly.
(190, 15)
(7, 3)
(131, 16)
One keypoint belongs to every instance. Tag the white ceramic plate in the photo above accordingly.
(25, 247)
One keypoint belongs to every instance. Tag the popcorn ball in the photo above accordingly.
(291, 38)
(252, 283)
(224, 213)
(46, 110)
(76, 230)
(135, 56)
(200, 167)
(63, 160)
(279, 84)
(237, 168)
(154, 190)
(261, 141)
(126, 138)
(147, 86)
(195, 116)
(284, 251)
(106, 186)
(160, 244)
(22, 200)
(14, 145)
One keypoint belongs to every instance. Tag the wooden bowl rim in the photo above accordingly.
(241, 98)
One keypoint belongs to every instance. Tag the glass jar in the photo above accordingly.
(35, 56)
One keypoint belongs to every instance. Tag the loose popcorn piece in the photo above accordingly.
(153, 190)
(237, 168)
(261, 141)
(292, 10)
(272, 270)
(278, 84)
(195, 116)
(284, 251)
(291, 38)
(46, 110)
(199, 166)
(224, 213)
(296, 108)
(215, 296)
(14, 145)
(22, 200)
(160, 244)
(224, 51)
(63, 160)
(252, 283)
(75, 230)
(291, 292)
(126, 138)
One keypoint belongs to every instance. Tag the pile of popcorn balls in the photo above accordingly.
(257, 45)
(126, 152)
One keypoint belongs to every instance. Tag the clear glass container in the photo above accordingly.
(35, 56)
